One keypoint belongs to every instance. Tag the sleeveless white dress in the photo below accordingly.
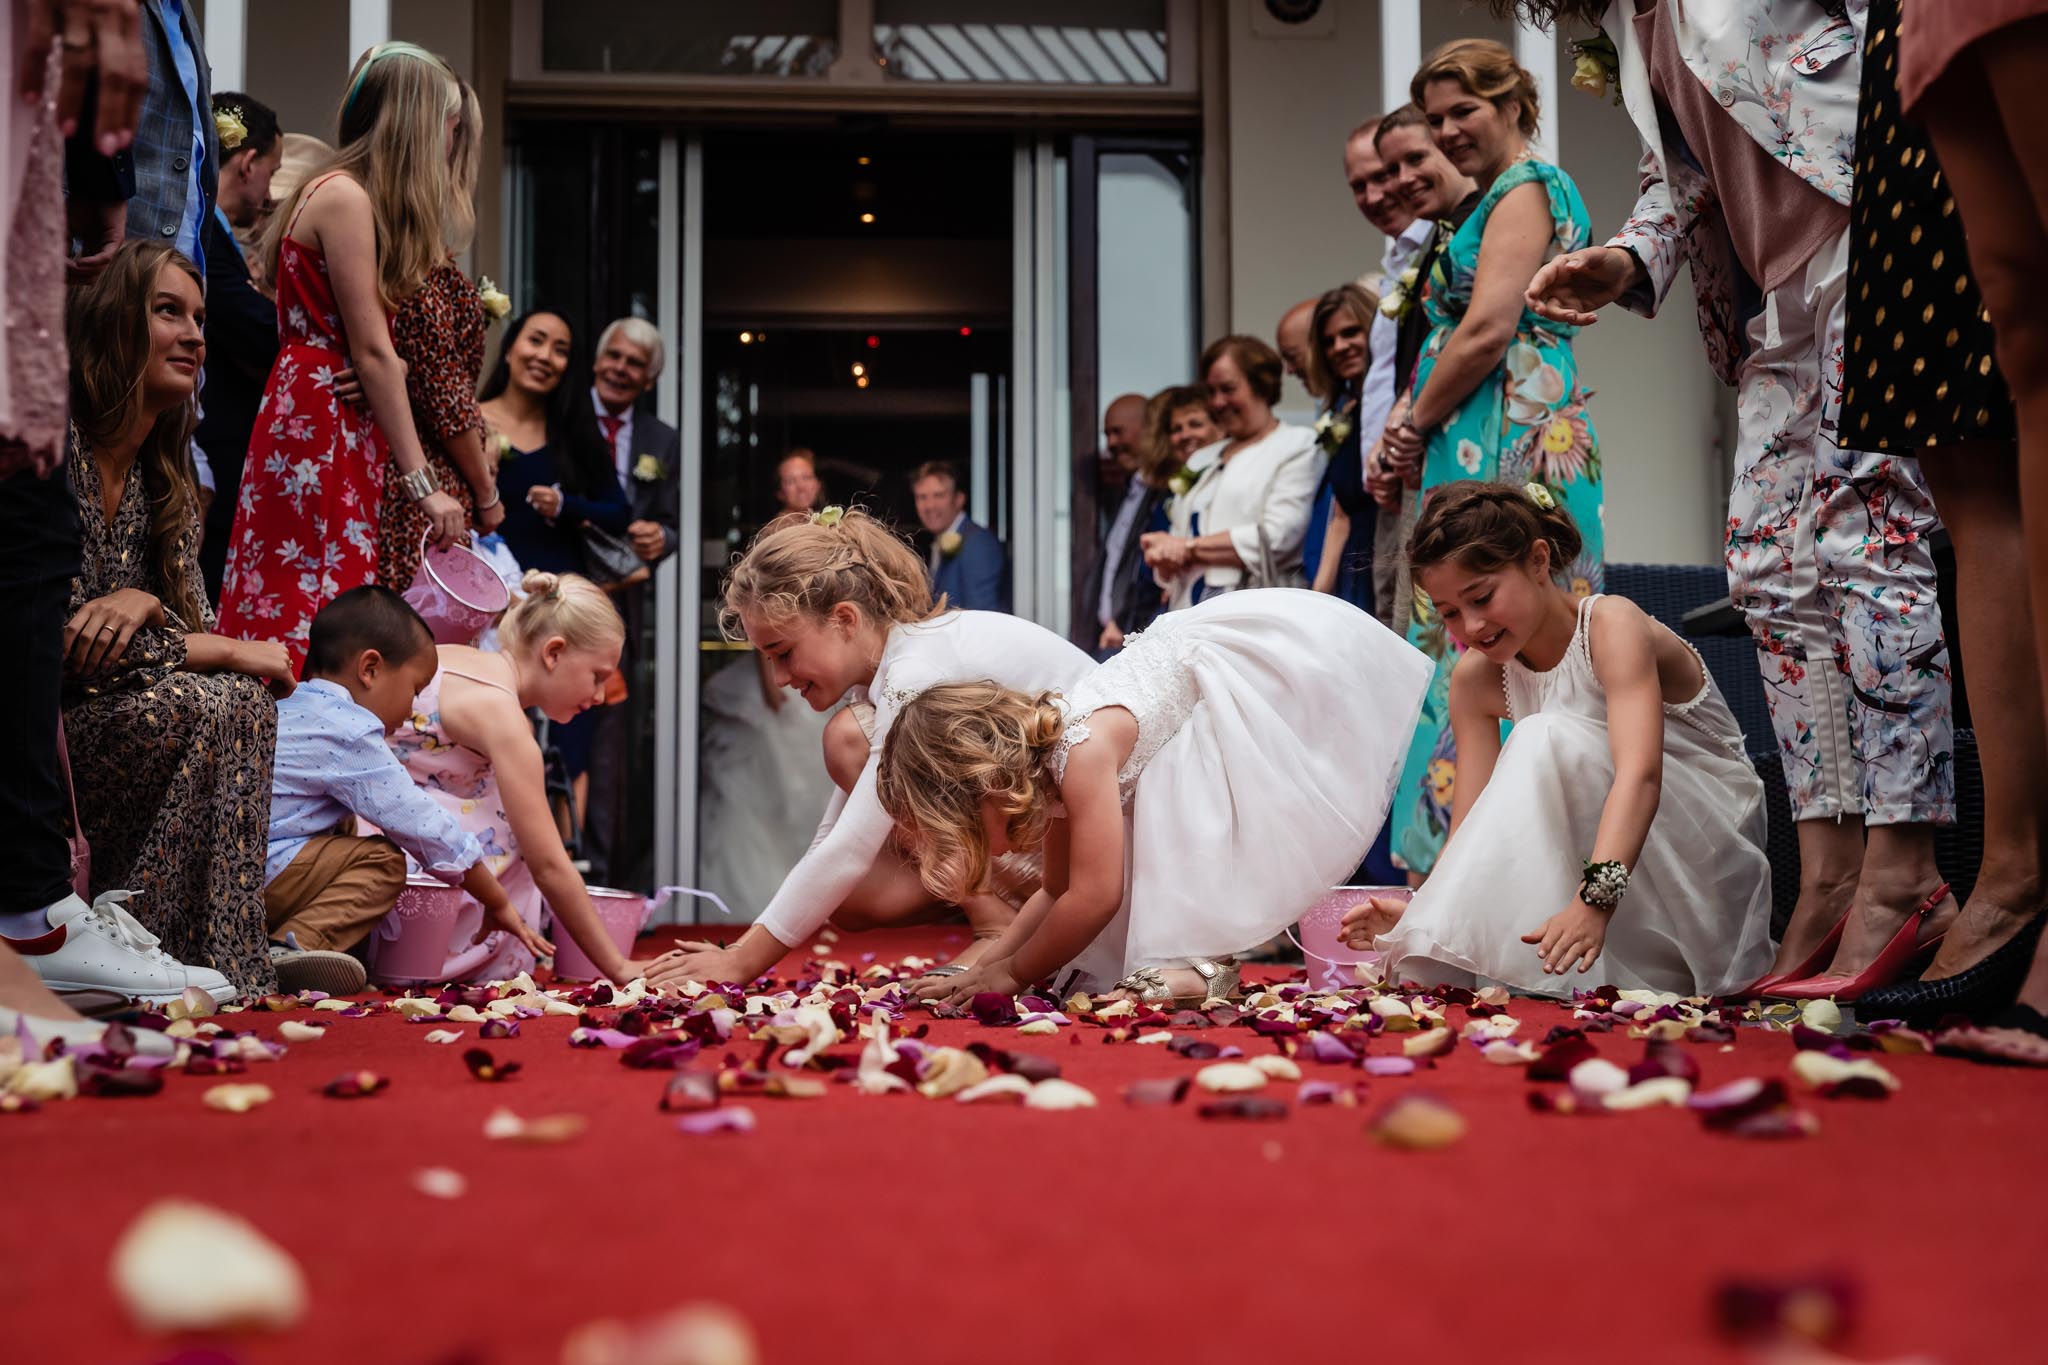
(1271, 728)
(1696, 919)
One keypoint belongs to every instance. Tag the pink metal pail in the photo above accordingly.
(426, 939)
(457, 592)
(623, 912)
(1330, 959)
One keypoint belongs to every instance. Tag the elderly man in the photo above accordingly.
(643, 450)
(1290, 338)
(1116, 574)
(967, 562)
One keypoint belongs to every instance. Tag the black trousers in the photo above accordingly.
(38, 559)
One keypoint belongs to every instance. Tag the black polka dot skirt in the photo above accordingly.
(1918, 368)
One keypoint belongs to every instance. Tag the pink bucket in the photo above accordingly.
(1330, 959)
(457, 592)
(426, 939)
(622, 912)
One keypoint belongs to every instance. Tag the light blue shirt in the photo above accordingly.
(332, 762)
(188, 76)
(1376, 396)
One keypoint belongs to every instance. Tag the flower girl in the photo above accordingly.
(1192, 796)
(1619, 828)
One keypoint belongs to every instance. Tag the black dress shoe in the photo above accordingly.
(1977, 992)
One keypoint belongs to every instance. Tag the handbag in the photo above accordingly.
(609, 558)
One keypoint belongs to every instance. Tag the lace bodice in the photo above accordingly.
(1150, 679)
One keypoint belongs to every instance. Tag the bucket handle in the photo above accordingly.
(662, 894)
(1306, 951)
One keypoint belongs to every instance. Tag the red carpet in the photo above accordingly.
(894, 1228)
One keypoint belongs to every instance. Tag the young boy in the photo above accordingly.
(367, 658)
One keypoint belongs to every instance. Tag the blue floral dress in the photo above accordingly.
(1525, 423)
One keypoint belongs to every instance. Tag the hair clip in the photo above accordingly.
(1540, 495)
(831, 516)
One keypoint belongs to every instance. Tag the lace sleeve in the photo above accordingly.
(1077, 732)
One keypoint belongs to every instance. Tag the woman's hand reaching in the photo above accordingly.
(961, 989)
(1573, 936)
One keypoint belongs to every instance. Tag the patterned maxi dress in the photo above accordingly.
(306, 526)
(1526, 422)
(438, 331)
(172, 768)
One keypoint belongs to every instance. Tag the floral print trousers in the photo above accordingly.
(1829, 563)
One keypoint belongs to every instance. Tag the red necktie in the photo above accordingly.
(610, 425)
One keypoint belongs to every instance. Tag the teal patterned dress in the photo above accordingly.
(1525, 423)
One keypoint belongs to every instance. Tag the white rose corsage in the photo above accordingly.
(647, 469)
(950, 543)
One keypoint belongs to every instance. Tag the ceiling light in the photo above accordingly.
(861, 382)
(746, 338)
(867, 217)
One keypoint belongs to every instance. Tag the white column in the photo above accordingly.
(1023, 379)
(227, 44)
(1400, 50)
(369, 23)
(1536, 50)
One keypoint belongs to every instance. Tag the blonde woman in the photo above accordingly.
(345, 250)
(1192, 796)
(471, 747)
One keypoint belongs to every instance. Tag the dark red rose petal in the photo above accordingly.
(690, 1091)
(1560, 1057)
(1244, 1107)
(355, 1085)
(1156, 1091)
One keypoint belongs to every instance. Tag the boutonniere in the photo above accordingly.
(950, 543)
(228, 127)
(495, 301)
(502, 443)
(1400, 299)
(1333, 429)
(1596, 65)
(1183, 481)
(647, 469)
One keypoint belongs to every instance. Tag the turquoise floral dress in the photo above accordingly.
(1525, 423)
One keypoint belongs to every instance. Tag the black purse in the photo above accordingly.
(609, 558)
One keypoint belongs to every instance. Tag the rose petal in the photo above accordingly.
(438, 1182)
(494, 1029)
(1835, 1078)
(505, 1126)
(1665, 1059)
(1501, 1052)
(1389, 1066)
(185, 1267)
(1058, 1094)
(1596, 1077)
(1417, 1123)
(1434, 1042)
(1674, 1091)
(1223, 1078)
(1824, 1015)
(444, 1035)
(1156, 1091)
(1327, 1047)
(725, 1119)
(355, 1085)
(1326, 1092)
(192, 1003)
(992, 1009)
(1003, 1087)
(948, 1071)
(292, 1031)
(485, 1067)
(1563, 1053)
(1258, 1107)
(690, 1092)
(1276, 1068)
(236, 1099)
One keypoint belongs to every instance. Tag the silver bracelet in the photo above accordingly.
(496, 498)
(1603, 884)
(420, 484)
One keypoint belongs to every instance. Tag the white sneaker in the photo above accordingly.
(103, 947)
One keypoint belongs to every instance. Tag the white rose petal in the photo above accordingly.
(292, 1031)
(185, 1267)
(1276, 1068)
(444, 1035)
(1055, 1093)
(438, 1182)
(1005, 1086)
(1227, 1078)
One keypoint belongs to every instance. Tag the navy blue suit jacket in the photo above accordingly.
(978, 577)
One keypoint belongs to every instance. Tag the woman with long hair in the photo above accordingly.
(1496, 394)
(1339, 560)
(348, 247)
(169, 727)
(438, 332)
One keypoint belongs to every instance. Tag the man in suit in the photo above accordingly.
(241, 325)
(967, 562)
(1116, 572)
(643, 451)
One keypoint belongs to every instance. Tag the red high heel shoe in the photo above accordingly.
(1815, 960)
(1905, 948)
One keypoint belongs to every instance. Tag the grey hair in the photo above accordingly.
(641, 333)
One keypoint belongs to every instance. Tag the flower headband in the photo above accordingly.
(830, 516)
(1540, 495)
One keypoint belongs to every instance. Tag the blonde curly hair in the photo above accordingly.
(953, 747)
(805, 564)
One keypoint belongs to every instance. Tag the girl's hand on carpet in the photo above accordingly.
(691, 962)
(1364, 923)
(961, 989)
(1574, 935)
(504, 916)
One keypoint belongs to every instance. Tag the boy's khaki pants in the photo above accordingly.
(335, 891)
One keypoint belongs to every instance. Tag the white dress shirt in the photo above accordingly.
(1376, 399)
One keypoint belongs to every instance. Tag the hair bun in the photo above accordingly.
(540, 583)
(1047, 722)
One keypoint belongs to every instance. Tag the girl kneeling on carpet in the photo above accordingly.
(470, 745)
(1624, 772)
(1193, 795)
(839, 604)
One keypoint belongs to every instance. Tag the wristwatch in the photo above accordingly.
(420, 484)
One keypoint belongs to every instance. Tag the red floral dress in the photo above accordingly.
(439, 334)
(306, 525)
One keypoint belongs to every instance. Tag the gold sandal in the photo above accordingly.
(1220, 980)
